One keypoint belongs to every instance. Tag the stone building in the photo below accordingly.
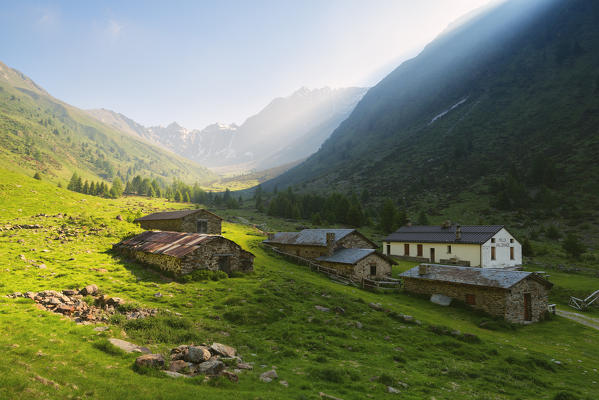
(314, 243)
(358, 263)
(181, 253)
(487, 246)
(197, 221)
(516, 296)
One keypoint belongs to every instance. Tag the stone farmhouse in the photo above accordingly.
(197, 221)
(486, 246)
(181, 253)
(516, 296)
(358, 263)
(346, 250)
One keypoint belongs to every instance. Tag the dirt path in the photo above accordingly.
(580, 318)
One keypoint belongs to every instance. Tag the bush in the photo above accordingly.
(37, 176)
(204, 275)
(573, 246)
(553, 233)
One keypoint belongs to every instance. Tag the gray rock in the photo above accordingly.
(323, 309)
(359, 325)
(223, 350)
(441, 299)
(128, 347)
(391, 389)
(212, 367)
(179, 365)
(174, 374)
(150, 360)
(241, 365)
(101, 328)
(197, 354)
(375, 306)
(284, 383)
(89, 290)
(268, 376)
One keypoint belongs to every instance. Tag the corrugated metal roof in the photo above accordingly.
(309, 237)
(347, 256)
(488, 277)
(476, 234)
(172, 215)
(175, 244)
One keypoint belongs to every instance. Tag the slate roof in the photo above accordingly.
(472, 234)
(347, 256)
(165, 215)
(309, 237)
(487, 277)
(175, 244)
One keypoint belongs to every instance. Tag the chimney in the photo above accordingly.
(271, 236)
(422, 269)
(458, 232)
(446, 224)
(330, 243)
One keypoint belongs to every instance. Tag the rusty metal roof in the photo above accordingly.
(175, 244)
(312, 237)
(166, 215)
(488, 277)
(471, 234)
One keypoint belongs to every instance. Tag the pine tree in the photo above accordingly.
(92, 188)
(178, 196)
(117, 187)
(73, 182)
(388, 216)
(85, 188)
(79, 185)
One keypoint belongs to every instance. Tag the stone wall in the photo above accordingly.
(186, 224)
(173, 225)
(165, 263)
(214, 255)
(355, 241)
(189, 223)
(515, 301)
(310, 252)
(362, 268)
(487, 299)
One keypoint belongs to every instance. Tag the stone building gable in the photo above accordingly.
(193, 221)
(220, 254)
(515, 298)
(355, 240)
(361, 269)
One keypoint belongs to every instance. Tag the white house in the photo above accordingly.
(487, 246)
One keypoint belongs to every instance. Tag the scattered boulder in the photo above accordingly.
(268, 376)
(223, 350)
(174, 374)
(128, 347)
(179, 365)
(212, 367)
(376, 306)
(230, 376)
(441, 300)
(391, 389)
(197, 354)
(150, 360)
(119, 217)
(323, 309)
(89, 290)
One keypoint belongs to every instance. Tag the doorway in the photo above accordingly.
(432, 254)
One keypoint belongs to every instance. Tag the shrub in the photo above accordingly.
(37, 176)
(553, 233)
(573, 246)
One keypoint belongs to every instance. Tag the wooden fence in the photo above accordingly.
(333, 274)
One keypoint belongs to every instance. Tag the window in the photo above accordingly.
(511, 240)
(470, 299)
(406, 249)
(512, 253)
(492, 240)
(448, 249)
(388, 249)
(492, 253)
(419, 250)
(202, 226)
(373, 270)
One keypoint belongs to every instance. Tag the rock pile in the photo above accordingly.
(21, 226)
(72, 304)
(192, 360)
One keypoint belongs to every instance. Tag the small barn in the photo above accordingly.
(196, 221)
(182, 253)
(516, 296)
(314, 243)
(358, 263)
(487, 246)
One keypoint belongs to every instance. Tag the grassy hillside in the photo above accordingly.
(270, 316)
(503, 110)
(41, 134)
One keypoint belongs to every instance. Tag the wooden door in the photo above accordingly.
(527, 307)
(432, 254)
(406, 249)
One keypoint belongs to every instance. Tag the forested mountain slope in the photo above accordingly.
(506, 105)
(39, 133)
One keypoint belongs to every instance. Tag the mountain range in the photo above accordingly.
(39, 133)
(288, 129)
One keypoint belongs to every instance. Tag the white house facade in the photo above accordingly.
(486, 246)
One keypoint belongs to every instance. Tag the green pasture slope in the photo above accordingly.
(269, 316)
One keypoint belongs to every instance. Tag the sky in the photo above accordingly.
(200, 62)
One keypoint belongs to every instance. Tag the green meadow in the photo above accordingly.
(351, 352)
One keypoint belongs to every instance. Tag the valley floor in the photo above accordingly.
(353, 351)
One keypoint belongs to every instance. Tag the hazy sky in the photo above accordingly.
(198, 62)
